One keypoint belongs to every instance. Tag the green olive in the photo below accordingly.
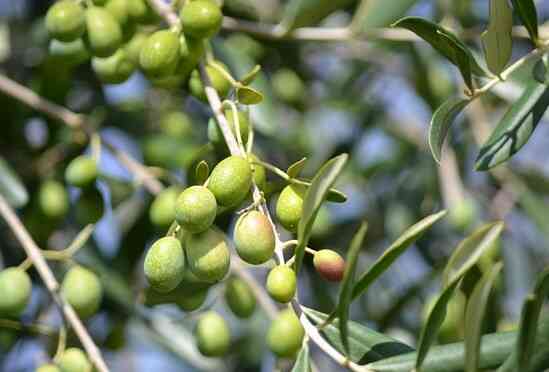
(165, 264)
(15, 286)
(104, 32)
(160, 149)
(48, 368)
(115, 69)
(162, 211)
(208, 254)
(285, 335)
(463, 214)
(201, 18)
(239, 297)
(216, 136)
(187, 296)
(83, 290)
(218, 81)
(329, 264)
(134, 46)
(176, 124)
(140, 11)
(289, 206)
(192, 301)
(230, 181)
(254, 238)
(70, 54)
(74, 360)
(213, 336)
(53, 199)
(81, 171)
(281, 283)
(119, 10)
(160, 54)
(90, 206)
(170, 82)
(65, 20)
(195, 209)
(288, 86)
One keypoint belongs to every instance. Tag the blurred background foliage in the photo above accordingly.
(370, 98)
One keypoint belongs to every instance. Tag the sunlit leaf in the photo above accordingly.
(11, 186)
(295, 169)
(442, 120)
(248, 96)
(251, 75)
(497, 40)
(303, 361)
(526, 10)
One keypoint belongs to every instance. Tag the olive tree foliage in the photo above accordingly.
(301, 185)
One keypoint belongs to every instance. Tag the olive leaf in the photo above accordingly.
(202, 171)
(295, 169)
(516, 127)
(303, 361)
(497, 40)
(442, 120)
(11, 186)
(251, 75)
(541, 70)
(248, 96)
(379, 13)
(299, 13)
(526, 10)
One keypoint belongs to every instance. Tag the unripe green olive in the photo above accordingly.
(15, 287)
(81, 171)
(239, 297)
(201, 18)
(74, 360)
(218, 81)
(195, 209)
(164, 264)
(104, 32)
(288, 86)
(83, 290)
(289, 206)
(329, 264)
(216, 136)
(463, 214)
(213, 336)
(192, 301)
(140, 11)
(65, 20)
(160, 54)
(70, 54)
(48, 368)
(231, 180)
(187, 296)
(254, 238)
(162, 211)
(169, 82)
(53, 199)
(99, 2)
(89, 208)
(134, 46)
(208, 254)
(159, 150)
(259, 173)
(281, 283)
(119, 10)
(285, 335)
(115, 69)
(176, 124)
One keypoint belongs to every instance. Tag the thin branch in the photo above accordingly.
(33, 252)
(165, 11)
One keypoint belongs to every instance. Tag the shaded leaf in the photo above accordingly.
(541, 70)
(474, 317)
(251, 75)
(526, 10)
(497, 40)
(202, 172)
(303, 361)
(295, 169)
(315, 195)
(442, 120)
(380, 13)
(11, 186)
(299, 13)
(248, 96)
(394, 251)
(516, 127)
(336, 196)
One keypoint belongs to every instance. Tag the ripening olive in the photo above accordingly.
(218, 81)
(134, 46)
(140, 11)
(74, 360)
(281, 283)
(329, 264)
(164, 264)
(195, 209)
(119, 10)
(289, 206)
(65, 20)
(81, 171)
(231, 180)
(162, 211)
(15, 287)
(212, 333)
(104, 32)
(239, 297)
(254, 238)
(160, 54)
(285, 335)
(70, 54)
(83, 290)
(216, 136)
(48, 368)
(115, 69)
(89, 208)
(201, 18)
(208, 254)
(176, 124)
(288, 86)
(53, 199)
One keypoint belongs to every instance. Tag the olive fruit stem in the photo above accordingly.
(96, 147)
(61, 343)
(37, 328)
(274, 169)
(236, 122)
(165, 11)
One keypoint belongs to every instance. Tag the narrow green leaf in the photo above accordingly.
(303, 361)
(526, 10)
(248, 96)
(346, 291)
(300, 13)
(379, 13)
(394, 251)
(251, 75)
(497, 40)
(11, 186)
(469, 251)
(315, 195)
(541, 70)
(442, 120)
(474, 317)
(295, 169)
(516, 127)
(202, 172)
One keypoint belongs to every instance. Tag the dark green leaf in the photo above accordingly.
(516, 127)
(541, 70)
(526, 10)
(303, 361)
(11, 186)
(295, 169)
(336, 196)
(474, 317)
(202, 172)
(394, 251)
(248, 96)
(315, 195)
(442, 120)
(497, 40)
(469, 251)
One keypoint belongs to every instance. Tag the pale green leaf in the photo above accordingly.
(497, 40)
